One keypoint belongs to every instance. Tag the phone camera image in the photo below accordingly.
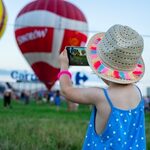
(77, 56)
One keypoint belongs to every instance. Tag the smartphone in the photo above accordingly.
(77, 56)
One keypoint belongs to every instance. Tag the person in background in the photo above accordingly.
(147, 103)
(7, 98)
(27, 97)
(71, 106)
(57, 100)
(22, 95)
(51, 97)
(117, 119)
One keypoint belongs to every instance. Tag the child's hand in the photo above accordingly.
(63, 60)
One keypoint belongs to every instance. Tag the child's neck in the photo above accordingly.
(112, 85)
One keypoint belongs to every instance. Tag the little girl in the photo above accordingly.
(117, 119)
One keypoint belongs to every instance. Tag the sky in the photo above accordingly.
(100, 15)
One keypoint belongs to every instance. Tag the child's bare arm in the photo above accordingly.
(78, 95)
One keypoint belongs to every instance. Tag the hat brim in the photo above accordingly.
(106, 72)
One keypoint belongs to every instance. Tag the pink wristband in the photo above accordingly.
(64, 72)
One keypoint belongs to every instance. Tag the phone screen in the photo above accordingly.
(77, 56)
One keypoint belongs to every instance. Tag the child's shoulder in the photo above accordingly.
(97, 91)
(99, 94)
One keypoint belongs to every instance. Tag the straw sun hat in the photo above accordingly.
(116, 55)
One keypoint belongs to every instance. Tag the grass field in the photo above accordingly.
(42, 127)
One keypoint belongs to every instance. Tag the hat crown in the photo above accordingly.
(121, 47)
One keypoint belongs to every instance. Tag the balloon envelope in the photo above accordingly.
(3, 18)
(43, 28)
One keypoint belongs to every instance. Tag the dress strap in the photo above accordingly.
(107, 97)
(139, 91)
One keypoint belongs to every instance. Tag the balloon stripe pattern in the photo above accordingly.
(59, 7)
(3, 18)
(43, 28)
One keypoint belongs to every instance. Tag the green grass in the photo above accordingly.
(42, 127)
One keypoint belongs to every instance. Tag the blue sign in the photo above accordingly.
(79, 78)
(23, 76)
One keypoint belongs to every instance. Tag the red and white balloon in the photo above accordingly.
(43, 28)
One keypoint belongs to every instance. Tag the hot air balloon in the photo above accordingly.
(43, 28)
(3, 18)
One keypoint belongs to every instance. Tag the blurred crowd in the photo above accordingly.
(53, 97)
(147, 103)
